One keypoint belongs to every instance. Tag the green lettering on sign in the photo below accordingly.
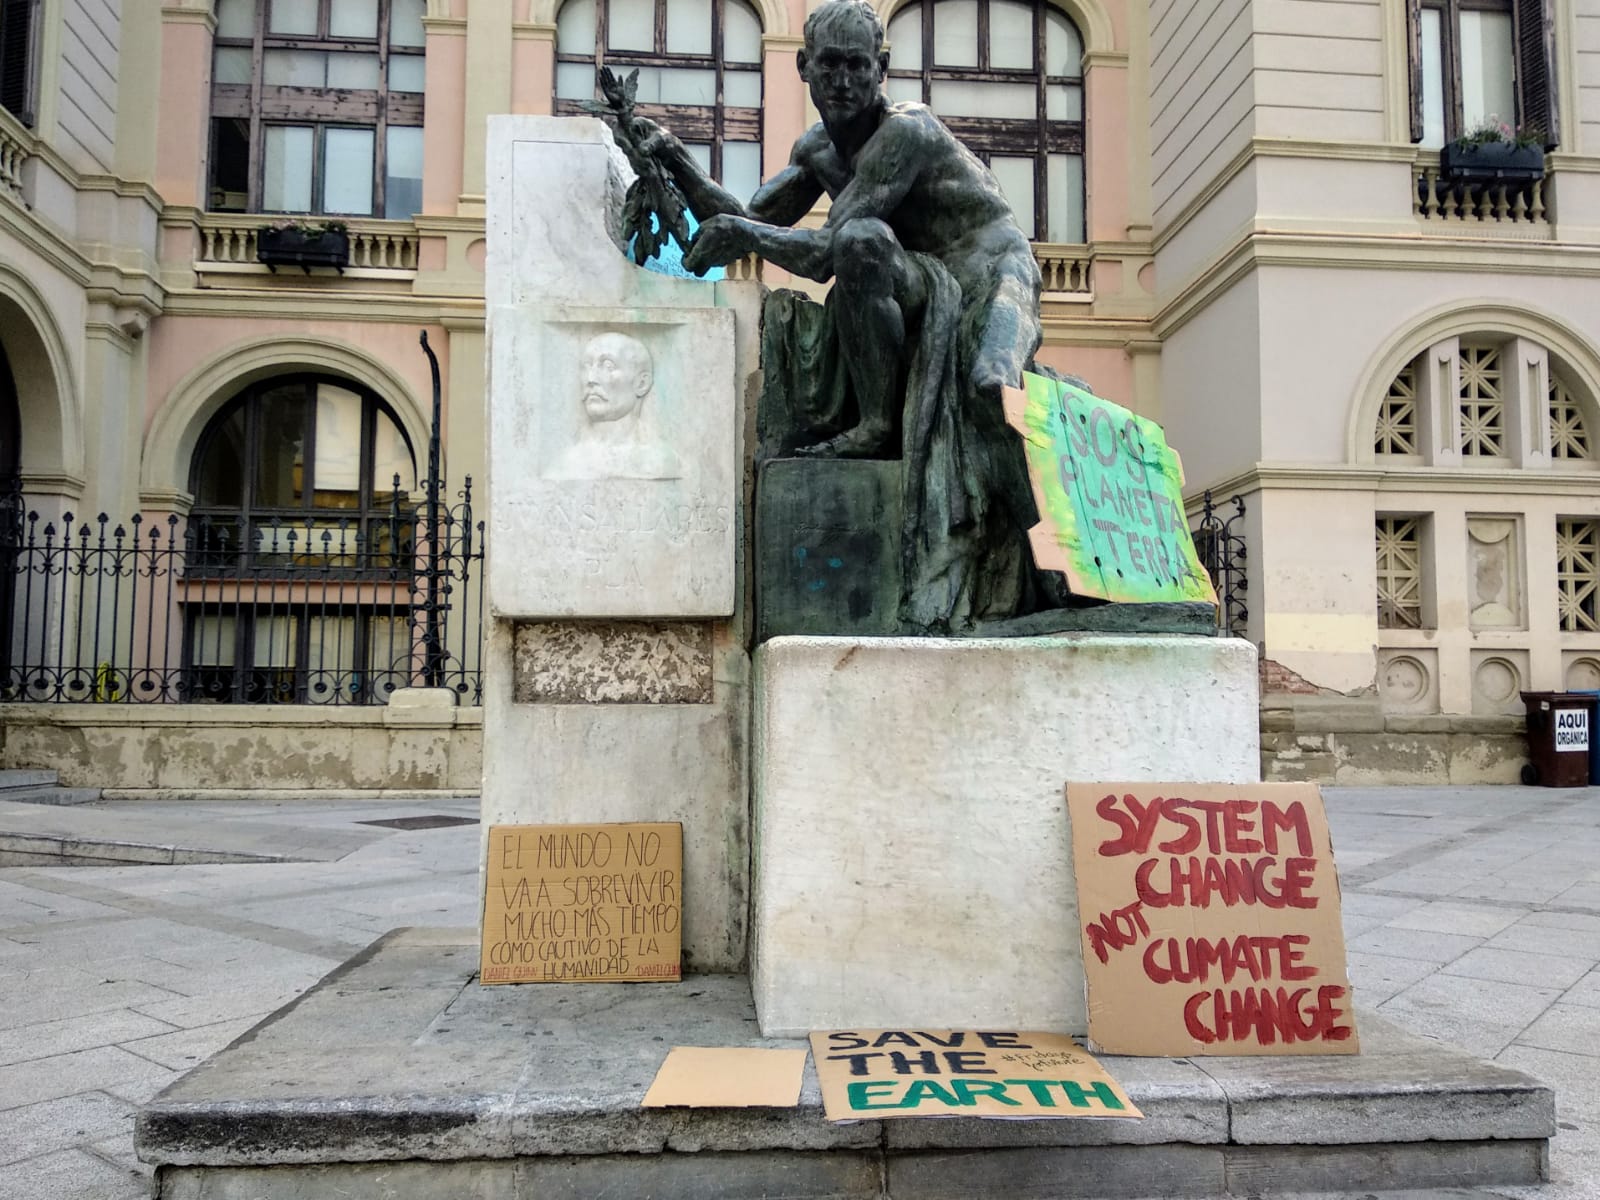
(1110, 495)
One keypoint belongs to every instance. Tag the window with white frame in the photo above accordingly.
(1007, 77)
(316, 107)
(699, 64)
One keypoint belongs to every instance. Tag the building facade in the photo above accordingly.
(1242, 215)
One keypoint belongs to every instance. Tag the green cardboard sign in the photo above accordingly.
(1110, 495)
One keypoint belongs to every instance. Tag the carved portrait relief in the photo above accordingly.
(617, 435)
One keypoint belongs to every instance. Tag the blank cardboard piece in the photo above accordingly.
(1210, 919)
(727, 1077)
(881, 1074)
(583, 904)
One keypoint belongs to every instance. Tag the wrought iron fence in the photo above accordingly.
(309, 609)
(1220, 544)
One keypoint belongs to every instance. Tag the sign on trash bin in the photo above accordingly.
(1572, 729)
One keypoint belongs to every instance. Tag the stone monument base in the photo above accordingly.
(912, 861)
(399, 1077)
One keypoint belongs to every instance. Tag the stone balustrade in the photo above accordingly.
(1436, 198)
(230, 239)
(1064, 267)
(15, 147)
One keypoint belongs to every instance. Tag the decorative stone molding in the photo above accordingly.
(1474, 317)
(48, 394)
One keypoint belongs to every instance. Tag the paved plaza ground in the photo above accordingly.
(1472, 915)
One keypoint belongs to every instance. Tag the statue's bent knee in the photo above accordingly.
(863, 245)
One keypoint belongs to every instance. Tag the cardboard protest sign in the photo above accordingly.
(1210, 919)
(727, 1077)
(582, 903)
(1110, 496)
(879, 1074)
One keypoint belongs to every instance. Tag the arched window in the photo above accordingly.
(699, 64)
(316, 107)
(1007, 77)
(300, 546)
(1475, 398)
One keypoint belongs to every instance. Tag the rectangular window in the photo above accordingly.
(402, 173)
(1578, 575)
(286, 171)
(1432, 81)
(1486, 72)
(347, 171)
(1399, 560)
(1479, 61)
(311, 91)
(18, 57)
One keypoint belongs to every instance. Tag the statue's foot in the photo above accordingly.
(864, 441)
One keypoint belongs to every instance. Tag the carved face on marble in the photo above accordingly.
(615, 376)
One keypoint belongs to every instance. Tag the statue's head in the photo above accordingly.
(615, 376)
(844, 62)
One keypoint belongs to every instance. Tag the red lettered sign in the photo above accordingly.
(1210, 919)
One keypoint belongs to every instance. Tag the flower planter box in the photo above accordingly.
(1491, 161)
(303, 248)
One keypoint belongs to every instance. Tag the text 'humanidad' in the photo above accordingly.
(583, 904)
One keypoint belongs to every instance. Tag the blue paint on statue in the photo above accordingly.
(670, 260)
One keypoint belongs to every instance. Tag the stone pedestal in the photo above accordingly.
(397, 1076)
(911, 852)
(615, 673)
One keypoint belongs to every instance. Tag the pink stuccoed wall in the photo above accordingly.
(182, 123)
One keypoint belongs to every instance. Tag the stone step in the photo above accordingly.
(399, 1075)
(26, 778)
(50, 794)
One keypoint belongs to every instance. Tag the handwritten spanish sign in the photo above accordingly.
(583, 904)
(877, 1074)
(1110, 495)
(1210, 919)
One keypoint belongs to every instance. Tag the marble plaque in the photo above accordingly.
(612, 662)
(612, 461)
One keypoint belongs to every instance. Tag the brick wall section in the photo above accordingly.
(1275, 677)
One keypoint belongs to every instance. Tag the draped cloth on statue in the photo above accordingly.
(967, 503)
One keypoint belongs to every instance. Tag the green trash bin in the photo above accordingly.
(1560, 725)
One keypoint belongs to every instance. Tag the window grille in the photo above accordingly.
(1569, 435)
(1397, 415)
(1399, 553)
(1578, 575)
(1482, 403)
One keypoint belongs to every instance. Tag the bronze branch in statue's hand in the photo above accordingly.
(721, 240)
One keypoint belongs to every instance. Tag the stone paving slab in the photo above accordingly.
(153, 933)
(430, 1065)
